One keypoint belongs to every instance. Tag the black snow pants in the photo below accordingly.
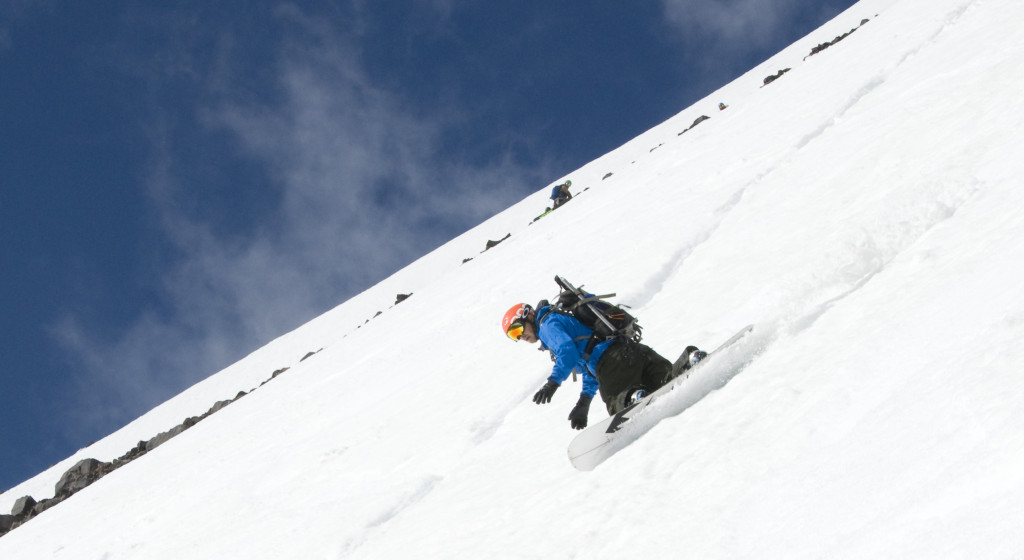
(626, 365)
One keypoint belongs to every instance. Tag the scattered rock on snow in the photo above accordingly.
(828, 44)
(492, 243)
(23, 506)
(84, 473)
(696, 121)
(88, 471)
(772, 78)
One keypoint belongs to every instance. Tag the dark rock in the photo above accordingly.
(772, 78)
(492, 243)
(134, 453)
(44, 505)
(84, 473)
(6, 523)
(161, 439)
(219, 405)
(828, 44)
(23, 506)
(696, 121)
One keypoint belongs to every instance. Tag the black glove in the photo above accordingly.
(545, 393)
(578, 416)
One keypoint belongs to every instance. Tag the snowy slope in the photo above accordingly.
(863, 210)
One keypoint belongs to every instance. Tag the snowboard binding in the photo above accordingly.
(634, 394)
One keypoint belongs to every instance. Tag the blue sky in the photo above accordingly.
(181, 184)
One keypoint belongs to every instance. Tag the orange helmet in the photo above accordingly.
(512, 322)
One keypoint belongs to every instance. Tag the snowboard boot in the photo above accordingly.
(695, 355)
(689, 358)
(634, 394)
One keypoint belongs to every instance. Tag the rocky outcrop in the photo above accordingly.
(775, 76)
(23, 506)
(696, 121)
(492, 243)
(827, 44)
(84, 473)
(88, 471)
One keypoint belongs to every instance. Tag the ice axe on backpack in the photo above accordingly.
(607, 320)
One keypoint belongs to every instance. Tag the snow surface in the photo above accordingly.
(864, 210)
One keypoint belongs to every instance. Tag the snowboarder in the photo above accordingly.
(622, 370)
(560, 194)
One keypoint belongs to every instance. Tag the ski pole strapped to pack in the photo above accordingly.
(607, 320)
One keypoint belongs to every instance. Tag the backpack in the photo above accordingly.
(608, 321)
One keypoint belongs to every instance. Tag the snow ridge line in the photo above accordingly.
(654, 285)
(883, 245)
(936, 213)
(855, 99)
(483, 430)
(420, 490)
(949, 21)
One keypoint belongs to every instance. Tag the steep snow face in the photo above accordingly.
(863, 210)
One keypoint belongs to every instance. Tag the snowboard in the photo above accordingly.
(551, 209)
(598, 442)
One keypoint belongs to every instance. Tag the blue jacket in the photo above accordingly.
(567, 339)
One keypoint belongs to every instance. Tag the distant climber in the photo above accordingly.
(560, 194)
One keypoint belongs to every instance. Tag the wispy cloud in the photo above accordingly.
(729, 21)
(363, 190)
(14, 12)
(733, 27)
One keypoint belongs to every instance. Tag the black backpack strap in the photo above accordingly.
(590, 347)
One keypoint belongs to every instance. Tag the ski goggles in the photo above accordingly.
(515, 330)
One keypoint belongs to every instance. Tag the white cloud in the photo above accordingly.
(727, 20)
(729, 27)
(362, 189)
